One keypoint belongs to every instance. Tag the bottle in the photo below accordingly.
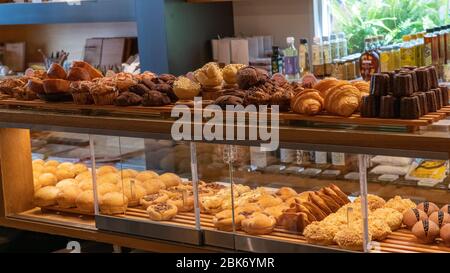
(303, 57)
(428, 47)
(442, 46)
(447, 29)
(277, 60)
(317, 57)
(385, 58)
(369, 61)
(334, 45)
(420, 49)
(414, 46)
(343, 45)
(407, 52)
(327, 56)
(435, 48)
(396, 56)
(291, 70)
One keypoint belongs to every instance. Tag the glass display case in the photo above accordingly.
(324, 189)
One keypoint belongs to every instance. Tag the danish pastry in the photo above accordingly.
(162, 211)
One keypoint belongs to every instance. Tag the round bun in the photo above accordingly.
(152, 186)
(440, 218)
(113, 203)
(55, 86)
(107, 188)
(445, 234)
(85, 201)
(426, 231)
(112, 178)
(146, 175)
(224, 221)
(47, 179)
(80, 168)
(412, 216)
(106, 169)
(285, 193)
(46, 196)
(86, 184)
(269, 201)
(258, 223)
(133, 191)
(82, 176)
(38, 162)
(66, 182)
(162, 211)
(66, 166)
(62, 174)
(170, 179)
(128, 173)
(152, 199)
(53, 163)
(446, 209)
(67, 196)
(428, 207)
(50, 169)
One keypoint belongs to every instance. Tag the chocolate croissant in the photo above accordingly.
(343, 100)
(308, 102)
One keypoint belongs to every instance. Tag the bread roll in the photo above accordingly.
(152, 186)
(94, 73)
(56, 71)
(113, 203)
(85, 201)
(105, 188)
(84, 175)
(55, 86)
(48, 179)
(106, 169)
(78, 74)
(46, 196)
(170, 179)
(67, 196)
(146, 175)
(53, 163)
(62, 174)
(66, 182)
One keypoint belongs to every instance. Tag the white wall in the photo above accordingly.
(279, 18)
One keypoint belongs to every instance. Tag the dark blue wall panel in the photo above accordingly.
(52, 13)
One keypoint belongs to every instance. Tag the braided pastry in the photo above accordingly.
(343, 100)
(308, 101)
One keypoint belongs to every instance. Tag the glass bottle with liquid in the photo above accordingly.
(334, 45)
(291, 69)
(317, 58)
(303, 57)
(428, 47)
(407, 52)
(277, 60)
(396, 57)
(327, 60)
(343, 45)
(420, 49)
(369, 61)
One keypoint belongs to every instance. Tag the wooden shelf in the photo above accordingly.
(52, 13)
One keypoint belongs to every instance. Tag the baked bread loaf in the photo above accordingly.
(342, 100)
(56, 86)
(93, 73)
(426, 231)
(308, 102)
(56, 71)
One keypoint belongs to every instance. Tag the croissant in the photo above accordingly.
(343, 100)
(308, 101)
(325, 84)
(362, 86)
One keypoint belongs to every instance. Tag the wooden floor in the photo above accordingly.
(400, 241)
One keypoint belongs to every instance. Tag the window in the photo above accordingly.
(391, 18)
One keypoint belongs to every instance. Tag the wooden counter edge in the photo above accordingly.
(123, 240)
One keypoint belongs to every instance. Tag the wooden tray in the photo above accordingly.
(400, 241)
(355, 119)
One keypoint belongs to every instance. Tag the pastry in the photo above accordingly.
(351, 238)
(320, 203)
(56, 71)
(282, 98)
(446, 209)
(324, 85)
(145, 75)
(423, 79)
(400, 204)
(434, 77)
(378, 228)
(209, 75)
(170, 179)
(124, 81)
(308, 81)
(166, 89)
(409, 108)
(445, 234)
(211, 204)
(162, 211)
(93, 73)
(35, 86)
(146, 175)
(333, 205)
(294, 221)
(62, 174)
(317, 233)
(67, 196)
(373, 201)
(308, 102)
(343, 100)
(225, 100)
(185, 89)
(233, 92)
(379, 84)
(391, 83)
(431, 100)
(103, 94)
(426, 231)
(250, 76)
(56, 86)
(331, 193)
(128, 99)
(79, 168)
(106, 169)
(139, 89)
(306, 212)
(370, 106)
(285, 193)
(48, 179)
(105, 188)
(66, 166)
(276, 211)
(363, 86)
(46, 196)
(415, 85)
(391, 216)
(113, 203)
(339, 192)
(184, 201)
(66, 182)
(230, 73)
(84, 175)
(152, 199)
(155, 98)
(315, 210)
(78, 74)
(427, 207)
(224, 220)
(86, 184)
(85, 201)
(258, 223)
(412, 216)
(440, 218)
(7, 86)
(128, 173)
(52, 163)
(269, 201)
(152, 186)
(403, 85)
(133, 191)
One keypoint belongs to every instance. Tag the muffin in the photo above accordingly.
(185, 89)
(80, 92)
(251, 76)
(209, 76)
(104, 94)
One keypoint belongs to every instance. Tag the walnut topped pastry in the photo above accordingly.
(209, 76)
(186, 89)
(124, 81)
(162, 211)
